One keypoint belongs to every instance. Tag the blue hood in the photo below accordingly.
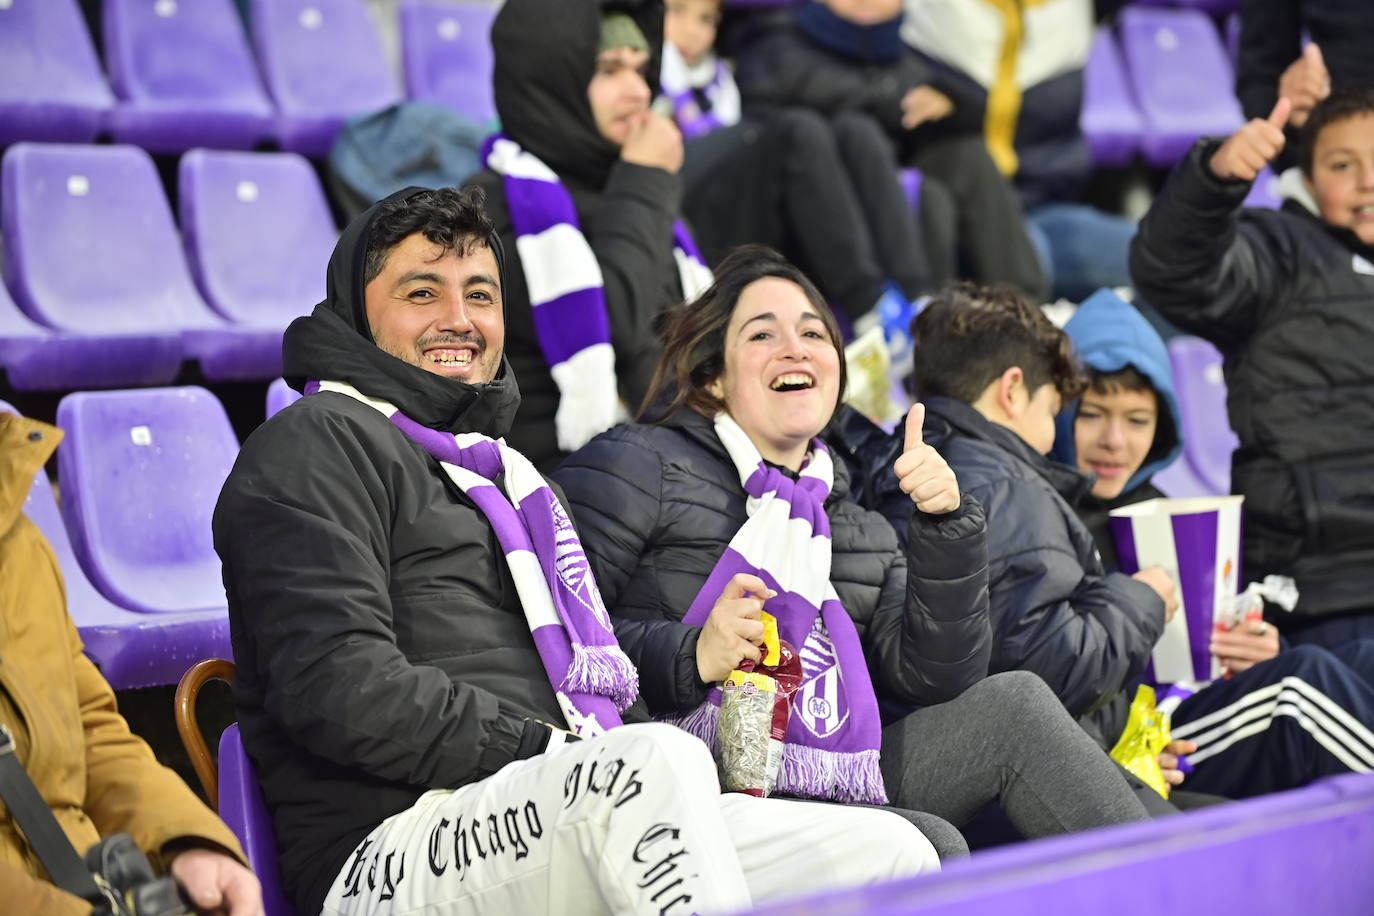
(1109, 334)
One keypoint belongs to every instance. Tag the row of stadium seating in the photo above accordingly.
(183, 75)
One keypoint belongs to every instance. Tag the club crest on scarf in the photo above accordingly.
(573, 569)
(821, 700)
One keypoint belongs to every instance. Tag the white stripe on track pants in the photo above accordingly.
(632, 822)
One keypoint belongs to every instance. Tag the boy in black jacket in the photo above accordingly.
(1288, 298)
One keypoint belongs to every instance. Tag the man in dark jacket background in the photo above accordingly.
(388, 686)
(583, 110)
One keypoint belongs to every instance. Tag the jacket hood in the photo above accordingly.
(545, 58)
(25, 446)
(1109, 334)
(335, 342)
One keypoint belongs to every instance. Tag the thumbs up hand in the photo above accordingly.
(922, 473)
(1305, 83)
(1254, 146)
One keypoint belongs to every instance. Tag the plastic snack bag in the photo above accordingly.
(755, 707)
(1145, 736)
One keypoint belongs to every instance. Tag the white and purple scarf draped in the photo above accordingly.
(680, 84)
(567, 293)
(591, 675)
(832, 742)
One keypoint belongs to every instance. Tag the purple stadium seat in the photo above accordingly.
(90, 243)
(323, 63)
(51, 87)
(36, 358)
(242, 806)
(280, 396)
(910, 180)
(1182, 79)
(258, 234)
(1290, 852)
(131, 649)
(1180, 481)
(184, 76)
(448, 56)
(1207, 437)
(1109, 117)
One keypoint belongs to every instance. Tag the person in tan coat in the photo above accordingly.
(96, 776)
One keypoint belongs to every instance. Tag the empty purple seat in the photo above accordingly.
(1182, 79)
(242, 806)
(280, 396)
(140, 471)
(1265, 191)
(448, 56)
(258, 234)
(1109, 118)
(90, 244)
(51, 87)
(184, 76)
(322, 61)
(1207, 437)
(1180, 481)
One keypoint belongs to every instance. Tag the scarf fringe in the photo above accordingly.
(700, 722)
(602, 670)
(833, 775)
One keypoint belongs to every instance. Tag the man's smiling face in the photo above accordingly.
(439, 309)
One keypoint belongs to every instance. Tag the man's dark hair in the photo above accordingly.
(1128, 377)
(693, 334)
(968, 335)
(453, 218)
(1345, 102)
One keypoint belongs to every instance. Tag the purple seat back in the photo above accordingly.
(322, 61)
(185, 74)
(448, 55)
(1207, 437)
(1182, 79)
(1285, 853)
(51, 87)
(1265, 191)
(90, 242)
(1109, 118)
(242, 806)
(280, 396)
(141, 471)
(258, 233)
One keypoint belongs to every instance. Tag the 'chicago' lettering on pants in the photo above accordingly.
(601, 778)
(660, 849)
(509, 833)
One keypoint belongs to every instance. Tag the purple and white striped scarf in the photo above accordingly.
(591, 675)
(832, 742)
(712, 78)
(567, 292)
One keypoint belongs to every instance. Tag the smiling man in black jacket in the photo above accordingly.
(395, 678)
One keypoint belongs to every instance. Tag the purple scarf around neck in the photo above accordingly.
(833, 737)
(591, 676)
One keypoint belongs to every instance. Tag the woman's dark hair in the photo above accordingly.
(693, 334)
(1345, 102)
(968, 335)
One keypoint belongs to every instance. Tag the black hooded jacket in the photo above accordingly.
(381, 650)
(658, 505)
(545, 57)
(1054, 610)
(1289, 301)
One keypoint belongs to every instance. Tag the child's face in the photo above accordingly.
(1343, 174)
(618, 92)
(865, 12)
(1112, 435)
(690, 25)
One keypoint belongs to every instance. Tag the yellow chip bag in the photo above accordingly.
(1145, 735)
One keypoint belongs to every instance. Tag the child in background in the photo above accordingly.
(1287, 296)
(845, 60)
(787, 180)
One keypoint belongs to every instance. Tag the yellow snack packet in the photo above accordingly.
(771, 650)
(1145, 735)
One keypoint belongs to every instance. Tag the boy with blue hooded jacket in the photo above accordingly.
(992, 371)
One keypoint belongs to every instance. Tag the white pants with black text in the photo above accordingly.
(630, 822)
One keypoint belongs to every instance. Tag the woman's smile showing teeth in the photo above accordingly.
(793, 381)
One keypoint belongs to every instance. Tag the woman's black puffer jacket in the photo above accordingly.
(656, 507)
